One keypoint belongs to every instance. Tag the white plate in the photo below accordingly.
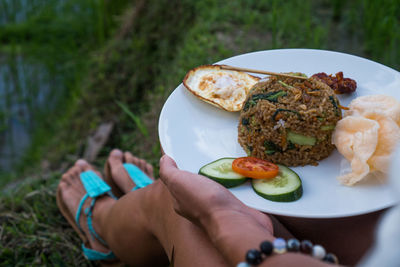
(195, 133)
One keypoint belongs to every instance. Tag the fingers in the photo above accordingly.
(183, 182)
(168, 169)
(178, 181)
(167, 160)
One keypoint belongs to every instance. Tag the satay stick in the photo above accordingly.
(226, 67)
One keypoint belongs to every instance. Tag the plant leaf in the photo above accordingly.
(136, 119)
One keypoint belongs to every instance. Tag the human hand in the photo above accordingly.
(198, 198)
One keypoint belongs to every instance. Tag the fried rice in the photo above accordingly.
(289, 121)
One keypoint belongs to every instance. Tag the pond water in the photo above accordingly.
(41, 60)
(27, 92)
(15, 11)
(24, 88)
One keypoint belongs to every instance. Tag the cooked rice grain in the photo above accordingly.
(279, 106)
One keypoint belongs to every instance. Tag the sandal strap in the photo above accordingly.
(93, 184)
(95, 187)
(79, 211)
(95, 255)
(89, 221)
(138, 176)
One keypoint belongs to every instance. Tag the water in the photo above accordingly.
(26, 89)
(44, 46)
(16, 11)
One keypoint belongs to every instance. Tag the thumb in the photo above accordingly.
(168, 168)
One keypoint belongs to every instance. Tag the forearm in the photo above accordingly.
(233, 234)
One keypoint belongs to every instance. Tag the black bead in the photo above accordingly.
(329, 257)
(306, 246)
(266, 247)
(253, 256)
(293, 245)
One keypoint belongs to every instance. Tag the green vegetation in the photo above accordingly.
(118, 61)
(33, 232)
(45, 47)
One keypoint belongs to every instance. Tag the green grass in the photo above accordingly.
(127, 78)
(32, 231)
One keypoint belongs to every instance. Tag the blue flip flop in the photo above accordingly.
(137, 175)
(139, 178)
(95, 187)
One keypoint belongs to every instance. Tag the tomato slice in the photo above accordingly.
(255, 168)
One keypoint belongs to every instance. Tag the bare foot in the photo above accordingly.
(72, 191)
(118, 173)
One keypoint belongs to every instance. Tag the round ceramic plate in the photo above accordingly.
(195, 133)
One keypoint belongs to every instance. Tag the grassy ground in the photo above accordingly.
(131, 75)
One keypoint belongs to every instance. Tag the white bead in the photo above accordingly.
(243, 264)
(279, 245)
(318, 252)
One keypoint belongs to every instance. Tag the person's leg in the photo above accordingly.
(72, 191)
(153, 204)
(141, 227)
(349, 238)
(125, 184)
(190, 245)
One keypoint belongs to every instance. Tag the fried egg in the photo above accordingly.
(225, 89)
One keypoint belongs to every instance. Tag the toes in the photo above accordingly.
(66, 189)
(118, 172)
(65, 178)
(115, 162)
(130, 158)
(116, 158)
(69, 177)
(72, 176)
(149, 170)
(140, 163)
(73, 172)
(117, 168)
(83, 165)
(64, 182)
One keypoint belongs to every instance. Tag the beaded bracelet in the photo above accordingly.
(280, 246)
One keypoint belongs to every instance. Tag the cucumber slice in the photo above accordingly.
(285, 187)
(300, 139)
(327, 127)
(221, 172)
